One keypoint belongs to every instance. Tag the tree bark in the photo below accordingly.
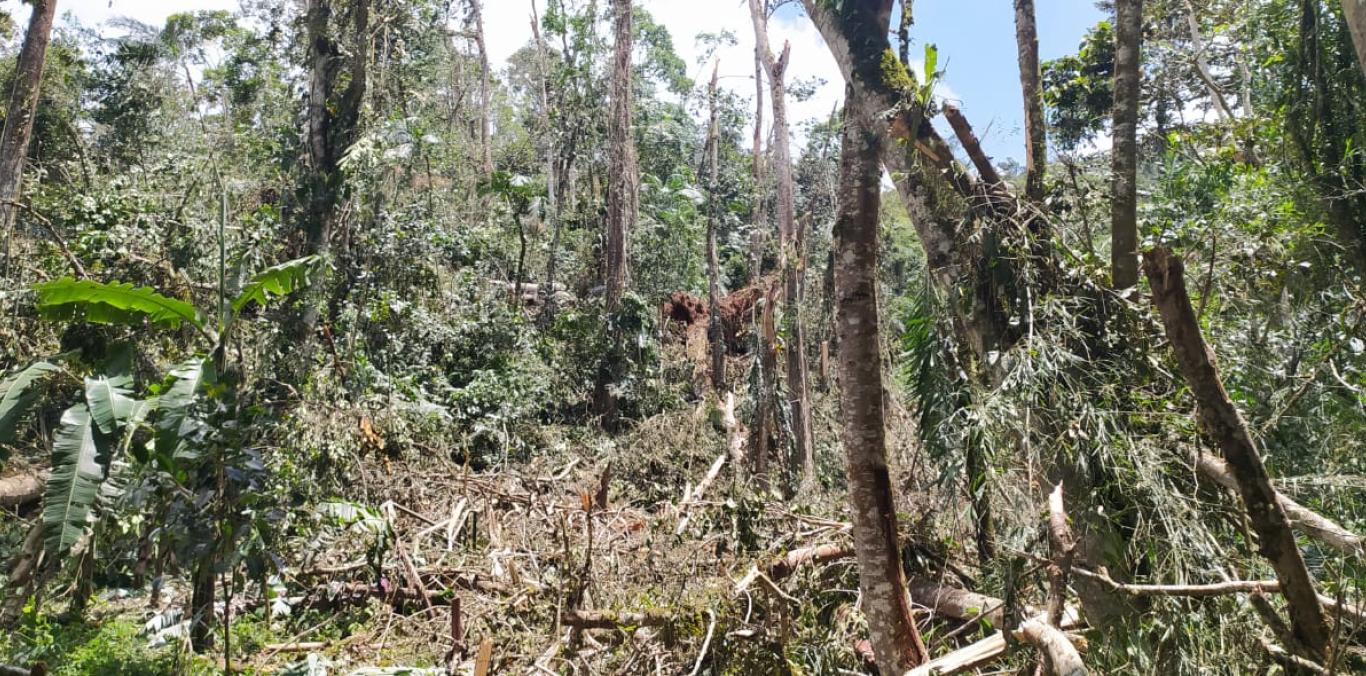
(715, 331)
(1036, 139)
(1124, 200)
(23, 108)
(1354, 11)
(333, 126)
(756, 255)
(622, 197)
(886, 601)
(622, 208)
(485, 140)
(789, 258)
(1225, 426)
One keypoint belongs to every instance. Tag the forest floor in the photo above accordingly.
(600, 554)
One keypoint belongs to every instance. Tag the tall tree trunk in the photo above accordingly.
(756, 242)
(886, 602)
(622, 203)
(23, 107)
(1036, 139)
(789, 259)
(1124, 200)
(485, 142)
(1225, 426)
(622, 197)
(333, 125)
(1354, 11)
(715, 332)
(552, 209)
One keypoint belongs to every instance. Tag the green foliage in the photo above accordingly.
(80, 459)
(18, 391)
(113, 303)
(1079, 88)
(109, 648)
(276, 281)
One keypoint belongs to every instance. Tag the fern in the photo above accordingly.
(113, 303)
(80, 460)
(17, 394)
(275, 281)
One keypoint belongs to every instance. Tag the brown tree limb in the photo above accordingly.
(972, 145)
(1225, 426)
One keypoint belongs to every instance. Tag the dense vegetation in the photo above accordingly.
(330, 345)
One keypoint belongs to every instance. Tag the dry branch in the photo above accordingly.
(982, 652)
(608, 619)
(1309, 522)
(1062, 656)
(1225, 426)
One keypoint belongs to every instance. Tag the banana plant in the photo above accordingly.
(102, 425)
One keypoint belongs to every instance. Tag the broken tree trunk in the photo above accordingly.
(715, 331)
(1064, 546)
(1225, 426)
(789, 254)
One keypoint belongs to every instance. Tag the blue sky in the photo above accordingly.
(976, 40)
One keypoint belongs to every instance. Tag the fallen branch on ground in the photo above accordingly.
(608, 619)
(984, 651)
(959, 604)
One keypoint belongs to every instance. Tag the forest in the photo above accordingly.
(332, 343)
